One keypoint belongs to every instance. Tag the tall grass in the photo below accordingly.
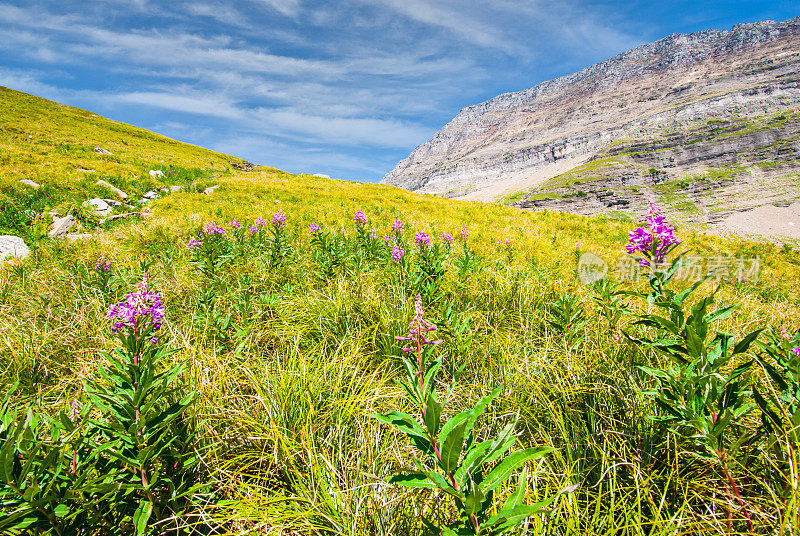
(288, 363)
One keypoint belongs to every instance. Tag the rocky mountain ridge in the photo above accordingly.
(624, 108)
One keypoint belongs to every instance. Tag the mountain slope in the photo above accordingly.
(635, 107)
(58, 145)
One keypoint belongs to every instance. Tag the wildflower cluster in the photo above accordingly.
(359, 217)
(422, 239)
(141, 311)
(654, 240)
(101, 265)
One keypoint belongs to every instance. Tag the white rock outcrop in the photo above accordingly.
(61, 226)
(12, 247)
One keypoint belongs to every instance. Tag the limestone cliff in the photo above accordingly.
(639, 108)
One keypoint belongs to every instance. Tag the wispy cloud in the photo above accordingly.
(294, 83)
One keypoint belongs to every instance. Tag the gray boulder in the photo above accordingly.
(28, 182)
(150, 195)
(156, 173)
(61, 226)
(210, 189)
(100, 150)
(12, 246)
(174, 188)
(99, 205)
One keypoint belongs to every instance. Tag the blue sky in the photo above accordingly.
(344, 88)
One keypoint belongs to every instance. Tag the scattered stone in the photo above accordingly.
(120, 216)
(321, 176)
(54, 216)
(13, 246)
(61, 226)
(77, 236)
(113, 202)
(156, 173)
(28, 182)
(174, 188)
(114, 189)
(99, 205)
(246, 166)
(150, 195)
(100, 150)
(210, 189)
(84, 170)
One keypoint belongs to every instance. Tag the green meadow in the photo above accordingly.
(629, 406)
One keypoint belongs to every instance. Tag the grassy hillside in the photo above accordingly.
(49, 142)
(287, 338)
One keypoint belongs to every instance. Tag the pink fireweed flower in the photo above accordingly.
(397, 254)
(341, 230)
(314, 228)
(101, 265)
(417, 329)
(235, 224)
(654, 240)
(374, 234)
(783, 333)
(796, 351)
(142, 310)
(446, 237)
(388, 238)
(252, 229)
(193, 243)
(359, 217)
(279, 219)
(211, 228)
(259, 222)
(464, 232)
(397, 227)
(422, 239)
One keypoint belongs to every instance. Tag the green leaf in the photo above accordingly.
(412, 480)
(450, 448)
(433, 414)
(745, 343)
(503, 470)
(141, 516)
(61, 510)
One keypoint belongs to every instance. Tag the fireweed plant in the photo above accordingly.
(456, 462)
(123, 459)
(702, 393)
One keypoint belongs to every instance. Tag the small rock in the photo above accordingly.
(100, 150)
(150, 195)
(175, 188)
(113, 202)
(164, 190)
(210, 189)
(321, 175)
(28, 182)
(13, 246)
(61, 226)
(84, 170)
(99, 205)
(156, 173)
(113, 189)
(77, 236)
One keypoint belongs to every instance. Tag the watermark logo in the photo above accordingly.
(592, 268)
